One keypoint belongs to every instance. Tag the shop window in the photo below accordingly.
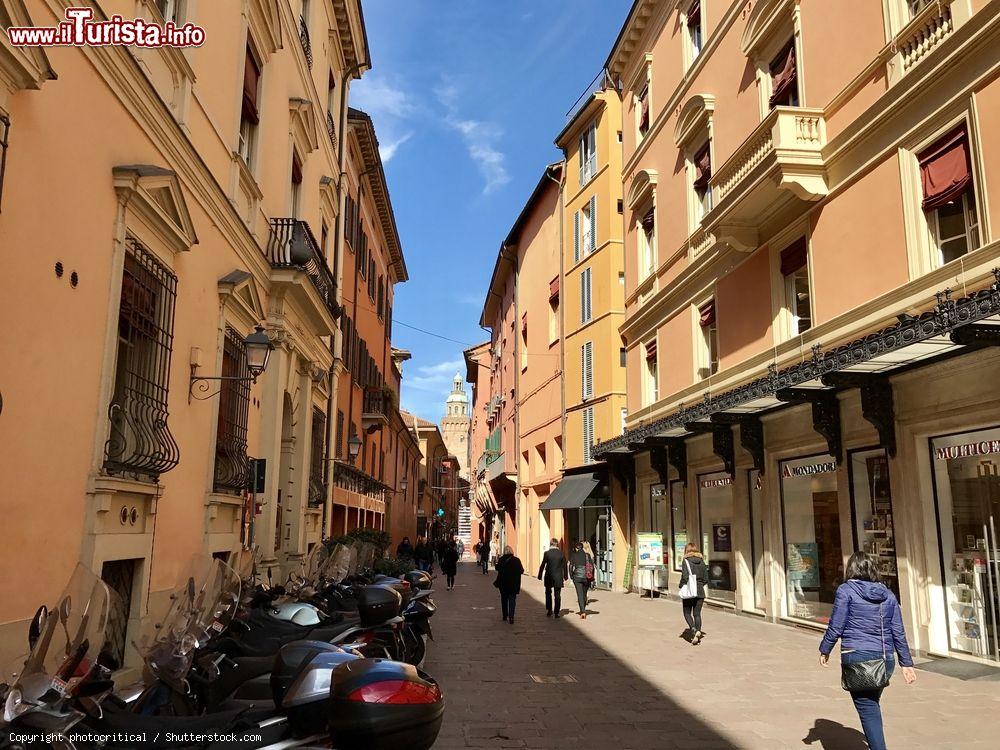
(814, 557)
(587, 370)
(249, 112)
(693, 25)
(651, 389)
(232, 466)
(647, 244)
(588, 154)
(715, 519)
(588, 434)
(966, 471)
(709, 340)
(871, 507)
(949, 196)
(642, 112)
(755, 487)
(702, 166)
(784, 78)
(795, 272)
(586, 296)
(678, 523)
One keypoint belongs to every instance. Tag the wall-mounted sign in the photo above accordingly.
(979, 448)
(650, 550)
(722, 537)
(824, 467)
(719, 482)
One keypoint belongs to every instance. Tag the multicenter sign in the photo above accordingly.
(979, 448)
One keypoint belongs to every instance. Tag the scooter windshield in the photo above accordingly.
(65, 642)
(334, 569)
(352, 560)
(200, 609)
(246, 562)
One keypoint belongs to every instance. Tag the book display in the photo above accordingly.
(872, 498)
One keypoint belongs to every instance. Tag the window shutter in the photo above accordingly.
(584, 160)
(585, 296)
(251, 85)
(587, 353)
(593, 224)
(576, 236)
(588, 433)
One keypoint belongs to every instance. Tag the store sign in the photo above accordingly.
(722, 482)
(980, 448)
(650, 550)
(722, 538)
(808, 470)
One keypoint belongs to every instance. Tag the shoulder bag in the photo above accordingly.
(866, 675)
(690, 589)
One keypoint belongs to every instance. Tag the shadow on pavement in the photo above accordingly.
(833, 736)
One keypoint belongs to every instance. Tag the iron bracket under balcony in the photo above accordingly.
(299, 269)
(374, 414)
(778, 169)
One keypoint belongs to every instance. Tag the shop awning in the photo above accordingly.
(571, 492)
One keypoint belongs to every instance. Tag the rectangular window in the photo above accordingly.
(702, 175)
(784, 78)
(795, 271)
(249, 112)
(317, 475)
(623, 357)
(949, 196)
(296, 185)
(642, 111)
(140, 442)
(694, 29)
(231, 463)
(715, 518)
(588, 154)
(554, 310)
(652, 389)
(371, 279)
(172, 11)
(814, 557)
(710, 340)
(587, 370)
(586, 289)
(647, 243)
(588, 434)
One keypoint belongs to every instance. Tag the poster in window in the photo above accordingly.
(722, 539)
(680, 542)
(719, 576)
(803, 564)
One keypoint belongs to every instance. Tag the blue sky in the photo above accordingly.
(467, 96)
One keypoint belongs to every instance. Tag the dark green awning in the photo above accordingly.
(571, 492)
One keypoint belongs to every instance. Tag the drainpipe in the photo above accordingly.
(562, 309)
(338, 274)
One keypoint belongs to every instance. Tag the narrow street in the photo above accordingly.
(637, 684)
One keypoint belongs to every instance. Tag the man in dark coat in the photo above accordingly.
(509, 572)
(553, 572)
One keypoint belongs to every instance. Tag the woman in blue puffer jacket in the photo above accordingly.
(867, 621)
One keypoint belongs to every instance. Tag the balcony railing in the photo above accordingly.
(304, 38)
(924, 32)
(331, 130)
(292, 245)
(375, 408)
(352, 479)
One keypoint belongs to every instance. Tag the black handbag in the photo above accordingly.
(866, 675)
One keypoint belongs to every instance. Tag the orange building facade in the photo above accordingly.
(811, 306)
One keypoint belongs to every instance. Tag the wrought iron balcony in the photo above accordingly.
(351, 479)
(331, 130)
(375, 408)
(292, 245)
(304, 38)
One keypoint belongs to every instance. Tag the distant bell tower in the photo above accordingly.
(456, 423)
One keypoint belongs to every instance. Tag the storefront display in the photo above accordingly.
(678, 522)
(659, 512)
(715, 510)
(871, 496)
(755, 486)
(967, 491)
(814, 559)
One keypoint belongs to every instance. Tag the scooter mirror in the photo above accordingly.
(37, 626)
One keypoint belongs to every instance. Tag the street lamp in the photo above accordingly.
(354, 446)
(257, 347)
(403, 484)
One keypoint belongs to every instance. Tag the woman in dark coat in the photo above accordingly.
(405, 549)
(693, 567)
(449, 563)
(581, 568)
(509, 572)
(867, 622)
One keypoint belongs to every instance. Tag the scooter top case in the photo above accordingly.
(376, 704)
(419, 579)
(377, 604)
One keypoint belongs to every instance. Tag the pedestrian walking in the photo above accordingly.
(581, 571)
(424, 555)
(484, 556)
(694, 579)
(461, 549)
(508, 581)
(405, 549)
(449, 563)
(867, 622)
(553, 572)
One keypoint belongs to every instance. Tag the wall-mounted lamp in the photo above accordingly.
(258, 348)
(354, 446)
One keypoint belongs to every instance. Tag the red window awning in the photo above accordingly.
(251, 77)
(793, 257)
(703, 168)
(651, 351)
(707, 314)
(648, 221)
(783, 74)
(945, 172)
(554, 289)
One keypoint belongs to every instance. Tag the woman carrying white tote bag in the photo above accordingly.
(694, 578)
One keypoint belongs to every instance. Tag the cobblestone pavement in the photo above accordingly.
(637, 684)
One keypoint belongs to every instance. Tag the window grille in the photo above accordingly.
(232, 467)
(119, 575)
(140, 443)
(317, 479)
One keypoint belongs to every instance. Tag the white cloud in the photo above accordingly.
(480, 137)
(388, 150)
(376, 96)
(434, 378)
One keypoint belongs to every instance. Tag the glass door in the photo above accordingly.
(967, 489)
(755, 485)
(871, 505)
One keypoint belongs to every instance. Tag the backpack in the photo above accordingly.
(589, 567)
